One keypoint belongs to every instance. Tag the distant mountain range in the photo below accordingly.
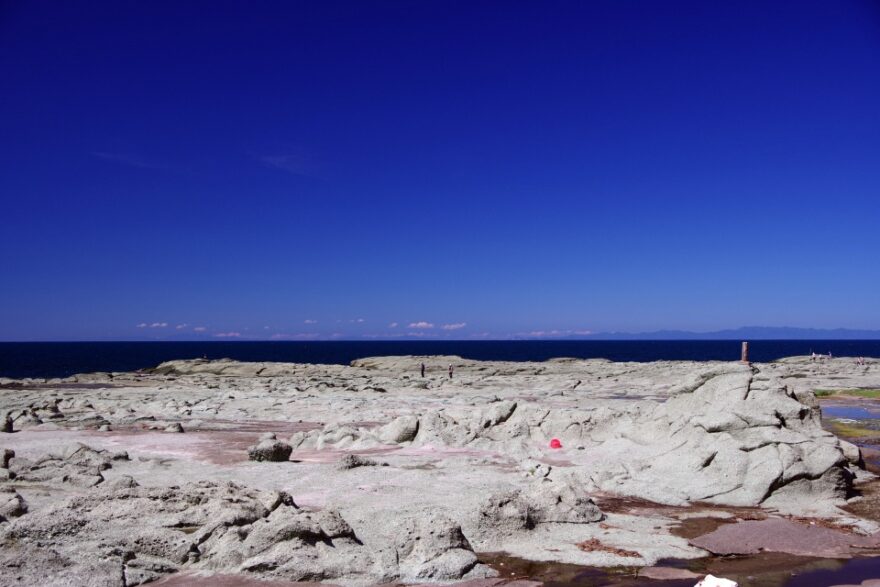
(744, 333)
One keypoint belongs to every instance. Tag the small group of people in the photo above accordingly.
(817, 357)
(451, 370)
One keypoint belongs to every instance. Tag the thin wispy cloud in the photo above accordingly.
(393, 325)
(422, 325)
(545, 333)
(293, 163)
(200, 328)
(228, 335)
(181, 326)
(153, 325)
(129, 159)
(553, 333)
(481, 335)
(310, 321)
(456, 326)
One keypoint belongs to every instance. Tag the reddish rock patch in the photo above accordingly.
(694, 527)
(593, 545)
(787, 536)
(667, 574)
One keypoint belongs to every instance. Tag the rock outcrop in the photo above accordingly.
(520, 510)
(144, 533)
(466, 464)
(725, 437)
(78, 465)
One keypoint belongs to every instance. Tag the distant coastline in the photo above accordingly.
(744, 333)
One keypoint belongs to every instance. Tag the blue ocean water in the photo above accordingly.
(60, 359)
(849, 412)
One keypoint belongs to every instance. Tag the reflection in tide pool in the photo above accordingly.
(850, 412)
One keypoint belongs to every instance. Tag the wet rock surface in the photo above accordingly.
(790, 537)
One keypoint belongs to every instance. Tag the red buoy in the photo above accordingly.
(555, 443)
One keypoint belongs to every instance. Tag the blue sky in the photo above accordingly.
(328, 169)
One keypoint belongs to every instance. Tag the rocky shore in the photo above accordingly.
(370, 473)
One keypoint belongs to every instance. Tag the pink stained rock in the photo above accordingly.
(781, 535)
(554, 443)
(667, 574)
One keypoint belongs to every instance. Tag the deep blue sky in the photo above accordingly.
(511, 166)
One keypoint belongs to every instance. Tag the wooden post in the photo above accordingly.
(745, 353)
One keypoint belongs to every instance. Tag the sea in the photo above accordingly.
(61, 359)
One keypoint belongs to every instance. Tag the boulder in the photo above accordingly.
(12, 505)
(351, 461)
(123, 482)
(432, 547)
(270, 450)
(852, 453)
(401, 429)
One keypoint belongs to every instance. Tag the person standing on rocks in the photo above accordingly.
(423, 370)
(450, 370)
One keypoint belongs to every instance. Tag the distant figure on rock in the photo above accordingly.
(450, 370)
(7, 423)
(423, 370)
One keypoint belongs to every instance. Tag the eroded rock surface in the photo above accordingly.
(466, 465)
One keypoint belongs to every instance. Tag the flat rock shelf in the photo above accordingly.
(371, 473)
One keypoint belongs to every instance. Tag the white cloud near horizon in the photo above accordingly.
(228, 335)
(181, 326)
(153, 325)
(200, 328)
(455, 326)
(393, 325)
(421, 324)
(309, 321)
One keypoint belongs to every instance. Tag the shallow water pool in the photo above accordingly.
(851, 412)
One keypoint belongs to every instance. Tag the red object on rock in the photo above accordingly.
(555, 443)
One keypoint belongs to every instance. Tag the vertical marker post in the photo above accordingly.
(745, 353)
